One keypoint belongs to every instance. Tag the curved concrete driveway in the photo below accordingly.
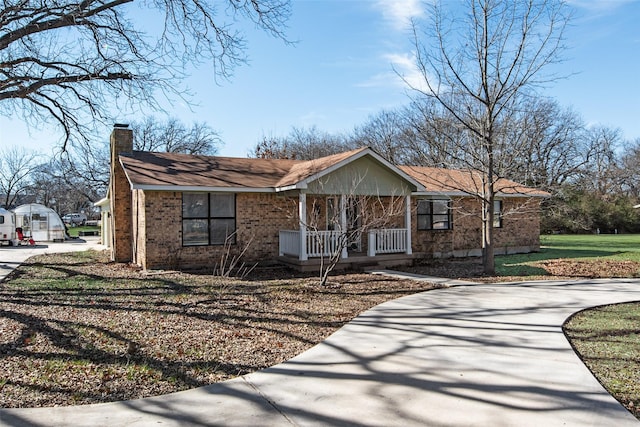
(484, 355)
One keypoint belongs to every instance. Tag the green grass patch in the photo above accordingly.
(74, 231)
(608, 341)
(593, 247)
(610, 243)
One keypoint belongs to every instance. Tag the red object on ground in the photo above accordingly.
(24, 239)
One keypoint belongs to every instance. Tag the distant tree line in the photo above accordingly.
(592, 173)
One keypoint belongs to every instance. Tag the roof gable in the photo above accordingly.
(306, 170)
(304, 173)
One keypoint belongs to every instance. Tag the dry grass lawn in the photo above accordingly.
(76, 329)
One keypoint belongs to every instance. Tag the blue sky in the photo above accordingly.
(341, 70)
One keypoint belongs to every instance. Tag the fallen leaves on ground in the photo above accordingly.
(76, 329)
(590, 268)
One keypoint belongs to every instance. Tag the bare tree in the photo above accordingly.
(386, 133)
(173, 136)
(479, 66)
(433, 135)
(58, 185)
(630, 163)
(17, 164)
(602, 174)
(74, 61)
(301, 144)
(548, 144)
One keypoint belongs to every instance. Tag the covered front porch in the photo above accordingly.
(354, 211)
(351, 237)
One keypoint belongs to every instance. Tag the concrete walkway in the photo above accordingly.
(481, 355)
(443, 281)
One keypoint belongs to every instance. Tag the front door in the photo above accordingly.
(353, 217)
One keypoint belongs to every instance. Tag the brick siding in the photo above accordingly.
(259, 218)
(520, 229)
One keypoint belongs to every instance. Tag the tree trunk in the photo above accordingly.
(488, 260)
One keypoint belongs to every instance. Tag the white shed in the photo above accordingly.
(40, 223)
(7, 226)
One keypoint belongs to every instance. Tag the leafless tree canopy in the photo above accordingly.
(173, 136)
(300, 144)
(73, 61)
(386, 133)
(17, 165)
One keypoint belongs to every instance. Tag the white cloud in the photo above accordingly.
(405, 71)
(400, 12)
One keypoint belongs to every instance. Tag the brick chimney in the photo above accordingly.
(120, 191)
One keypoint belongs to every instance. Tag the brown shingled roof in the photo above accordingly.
(170, 169)
(164, 170)
(451, 180)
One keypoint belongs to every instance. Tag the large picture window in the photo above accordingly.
(434, 214)
(208, 218)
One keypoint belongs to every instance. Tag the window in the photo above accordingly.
(497, 213)
(434, 215)
(208, 218)
(1, 219)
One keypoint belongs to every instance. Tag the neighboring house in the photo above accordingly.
(186, 211)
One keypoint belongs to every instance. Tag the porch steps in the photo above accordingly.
(358, 262)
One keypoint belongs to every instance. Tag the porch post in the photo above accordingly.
(343, 224)
(302, 215)
(407, 222)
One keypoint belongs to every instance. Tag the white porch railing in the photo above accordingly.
(289, 242)
(325, 243)
(319, 243)
(387, 241)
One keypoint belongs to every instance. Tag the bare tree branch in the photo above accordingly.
(87, 54)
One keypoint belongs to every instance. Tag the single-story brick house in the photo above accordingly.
(166, 210)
